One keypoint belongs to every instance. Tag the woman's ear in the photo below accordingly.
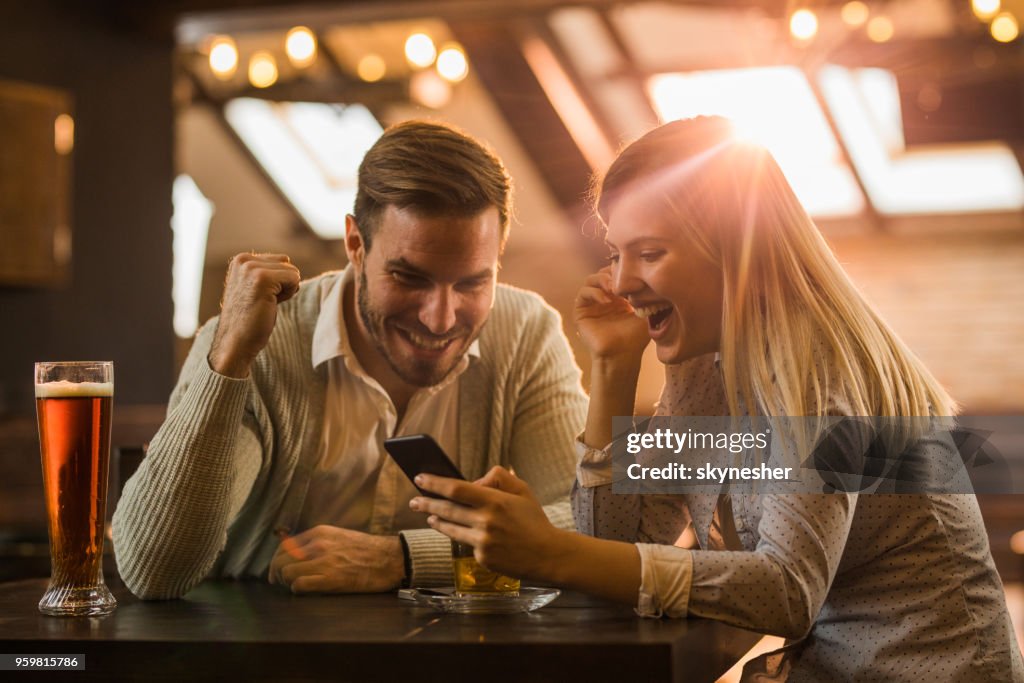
(355, 247)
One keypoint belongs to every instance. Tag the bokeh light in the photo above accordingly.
(300, 46)
(371, 68)
(223, 57)
(803, 24)
(985, 9)
(429, 89)
(262, 69)
(420, 50)
(855, 13)
(452, 64)
(1005, 28)
(880, 29)
(63, 134)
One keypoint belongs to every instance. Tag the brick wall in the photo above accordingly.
(956, 297)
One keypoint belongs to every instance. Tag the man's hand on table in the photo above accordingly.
(329, 559)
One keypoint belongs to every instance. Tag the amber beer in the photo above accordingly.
(472, 579)
(73, 407)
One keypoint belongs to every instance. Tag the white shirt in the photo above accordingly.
(355, 484)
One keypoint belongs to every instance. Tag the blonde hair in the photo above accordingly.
(796, 332)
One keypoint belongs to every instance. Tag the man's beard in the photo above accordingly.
(418, 374)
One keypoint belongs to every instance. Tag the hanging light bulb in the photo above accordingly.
(803, 25)
(880, 29)
(420, 50)
(371, 68)
(1004, 28)
(63, 134)
(262, 69)
(429, 89)
(985, 9)
(1017, 543)
(452, 64)
(855, 13)
(223, 57)
(300, 46)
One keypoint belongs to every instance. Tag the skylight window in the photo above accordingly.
(190, 225)
(959, 178)
(775, 107)
(311, 151)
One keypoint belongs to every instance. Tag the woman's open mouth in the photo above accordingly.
(657, 316)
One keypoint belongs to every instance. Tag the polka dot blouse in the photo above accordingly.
(864, 588)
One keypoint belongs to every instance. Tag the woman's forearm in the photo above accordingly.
(612, 392)
(607, 569)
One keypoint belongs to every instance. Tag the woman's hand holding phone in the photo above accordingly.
(500, 517)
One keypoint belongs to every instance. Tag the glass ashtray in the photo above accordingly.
(445, 600)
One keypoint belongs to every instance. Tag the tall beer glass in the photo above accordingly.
(73, 406)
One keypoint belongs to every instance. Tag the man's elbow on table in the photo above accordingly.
(146, 584)
(154, 590)
(142, 573)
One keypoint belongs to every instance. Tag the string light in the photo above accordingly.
(880, 29)
(803, 24)
(223, 57)
(855, 13)
(371, 68)
(1004, 28)
(262, 69)
(985, 9)
(429, 89)
(452, 64)
(300, 46)
(63, 134)
(420, 50)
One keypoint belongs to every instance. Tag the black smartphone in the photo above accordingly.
(420, 453)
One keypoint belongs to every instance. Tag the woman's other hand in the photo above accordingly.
(606, 322)
(616, 339)
(499, 516)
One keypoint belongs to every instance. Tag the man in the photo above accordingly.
(270, 462)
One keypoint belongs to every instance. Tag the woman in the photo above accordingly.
(713, 258)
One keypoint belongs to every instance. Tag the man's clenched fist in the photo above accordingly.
(255, 285)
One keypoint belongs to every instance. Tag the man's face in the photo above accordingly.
(425, 288)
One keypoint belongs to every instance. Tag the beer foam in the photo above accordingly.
(65, 389)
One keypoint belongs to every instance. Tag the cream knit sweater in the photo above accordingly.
(232, 461)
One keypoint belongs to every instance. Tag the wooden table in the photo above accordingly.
(253, 631)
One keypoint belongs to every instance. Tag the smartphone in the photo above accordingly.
(420, 453)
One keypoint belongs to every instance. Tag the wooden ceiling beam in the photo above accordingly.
(499, 64)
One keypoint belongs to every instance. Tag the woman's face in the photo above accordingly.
(665, 278)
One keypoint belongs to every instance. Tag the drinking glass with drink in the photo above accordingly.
(73, 408)
(473, 579)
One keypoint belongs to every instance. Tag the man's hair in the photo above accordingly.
(433, 169)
